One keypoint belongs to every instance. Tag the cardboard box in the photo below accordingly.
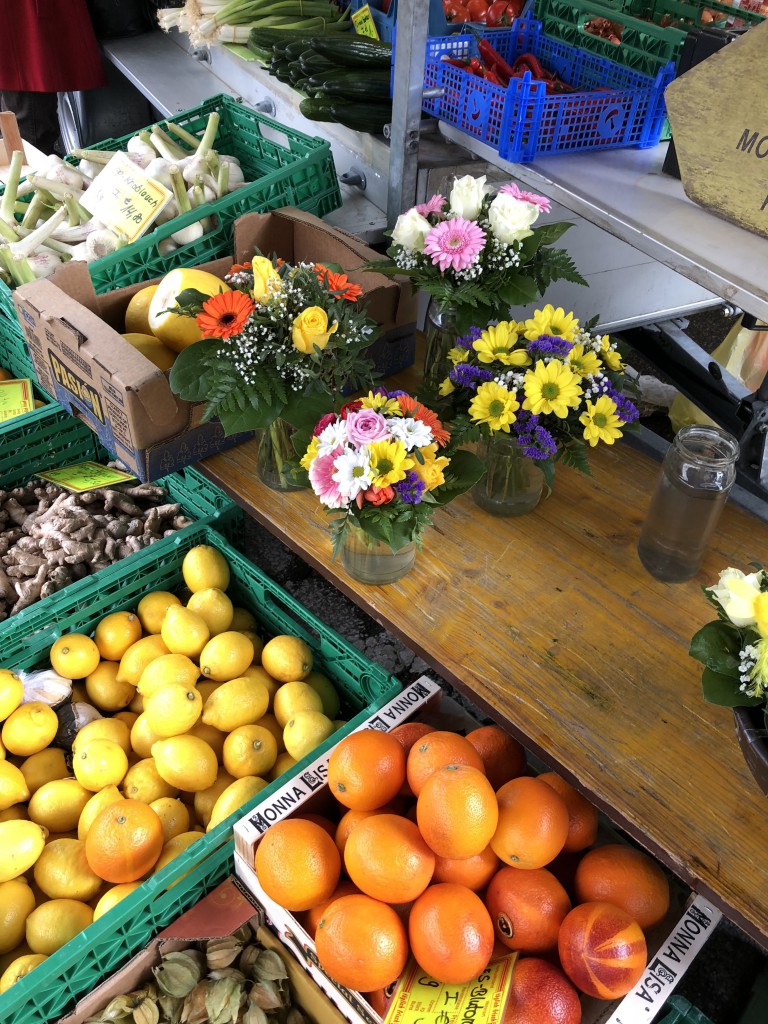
(73, 336)
(219, 914)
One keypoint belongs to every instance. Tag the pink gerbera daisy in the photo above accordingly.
(454, 244)
(433, 205)
(541, 203)
(321, 478)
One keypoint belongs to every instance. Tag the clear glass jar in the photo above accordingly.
(512, 483)
(368, 560)
(696, 475)
(440, 333)
(274, 456)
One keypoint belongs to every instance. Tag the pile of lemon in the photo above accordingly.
(195, 716)
(153, 329)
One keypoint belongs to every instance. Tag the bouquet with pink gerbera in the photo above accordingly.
(477, 252)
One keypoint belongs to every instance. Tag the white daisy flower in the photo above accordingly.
(352, 472)
(413, 433)
(332, 436)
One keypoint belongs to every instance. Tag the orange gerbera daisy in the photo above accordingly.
(413, 408)
(225, 314)
(338, 283)
(240, 267)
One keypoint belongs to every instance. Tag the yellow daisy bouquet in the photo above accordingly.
(553, 386)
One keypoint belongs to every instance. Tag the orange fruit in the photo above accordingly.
(407, 734)
(323, 822)
(361, 943)
(436, 750)
(540, 993)
(503, 756)
(456, 811)
(297, 863)
(451, 933)
(527, 908)
(582, 815)
(349, 821)
(387, 858)
(602, 950)
(310, 919)
(626, 877)
(533, 823)
(124, 841)
(366, 770)
(474, 872)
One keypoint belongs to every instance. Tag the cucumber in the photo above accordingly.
(354, 52)
(265, 38)
(316, 109)
(295, 49)
(313, 63)
(369, 118)
(353, 84)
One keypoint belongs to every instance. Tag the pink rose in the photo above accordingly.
(325, 421)
(366, 426)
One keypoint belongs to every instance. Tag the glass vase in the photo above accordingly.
(512, 483)
(440, 333)
(274, 456)
(368, 560)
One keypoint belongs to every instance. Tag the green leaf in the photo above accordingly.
(191, 376)
(546, 234)
(252, 417)
(464, 471)
(723, 690)
(717, 645)
(519, 291)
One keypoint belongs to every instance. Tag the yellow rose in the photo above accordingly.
(431, 470)
(311, 328)
(760, 610)
(263, 273)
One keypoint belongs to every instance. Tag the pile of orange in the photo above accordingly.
(438, 846)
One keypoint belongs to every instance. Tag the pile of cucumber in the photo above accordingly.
(345, 77)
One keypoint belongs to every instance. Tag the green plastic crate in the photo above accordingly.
(82, 963)
(677, 1010)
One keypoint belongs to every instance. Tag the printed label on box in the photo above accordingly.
(16, 398)
(85, 476)
(124, 198)
(419, 997)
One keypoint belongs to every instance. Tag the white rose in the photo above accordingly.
(736, 594)
(410, 231)
(511, 218)
(466, 196)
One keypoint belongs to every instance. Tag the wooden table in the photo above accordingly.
(551, 625)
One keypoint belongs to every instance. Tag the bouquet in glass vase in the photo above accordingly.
(381, 466)
(478, 255)
(535, 392)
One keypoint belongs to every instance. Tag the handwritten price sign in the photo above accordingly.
(124, 199)
(85, 476)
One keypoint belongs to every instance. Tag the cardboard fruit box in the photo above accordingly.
(73, 336)
(225, 909)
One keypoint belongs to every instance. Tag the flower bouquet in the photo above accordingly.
(381, 466)
(541, 391)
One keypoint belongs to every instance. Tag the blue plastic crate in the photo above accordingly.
(613, 106)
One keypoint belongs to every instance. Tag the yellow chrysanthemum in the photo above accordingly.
(551, 321)
(600, 421)
(610, 356)
(309, 456)
(494, 405)
(389, 461)
(432, 470)
(584, 363)
(386, 406)
(457, 355)
(551, 387)
(760, 610)
(497, 345)
(446, 387)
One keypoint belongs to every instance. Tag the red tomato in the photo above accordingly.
(477, 10)
(504, 12)
(451, 8)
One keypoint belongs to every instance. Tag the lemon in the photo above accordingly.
(129, 717)
(249, 750)
(205, 800)
(238, 702)
(103, 689)
(94, 807)
(287, 658)
(292, 698)
(203, 567)
(142, 737)
(19, 968)
(168, 668)
(205, 688)
(269, 721)
(137, 311)
(104, 729)
(243, 619)
(226, 656)
(18, 812)
(152, 608)
(186, 762)
(55, 922)
(13, 786)
(74, 656)
(154, 350)
(136, 706)
(282, 764)
(44, 766)
(21, 843)
(143, 782)
(113, 896)
(11, 692)
(184, 632)
(29, 729)
(327, 691)
(214, 606)
(258, 644)
(172, 710)
(234, 796)
(213, 737)
(173, 815)
(17, 901)
(99, 763)
(62, 872)
(115, 633)
(174, 847)
(260, 673)
(175, 331)
(138, 656)
(304, 731)
(58, 804)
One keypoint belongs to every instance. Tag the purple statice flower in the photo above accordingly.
(625, 409)
(467, 340)
(464, 375)
(549, 345)
(391, 394)
(536, 441)
(411, 488)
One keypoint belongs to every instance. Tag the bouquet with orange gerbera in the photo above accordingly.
(274, 337)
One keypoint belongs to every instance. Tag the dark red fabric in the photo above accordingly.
(48, 46)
